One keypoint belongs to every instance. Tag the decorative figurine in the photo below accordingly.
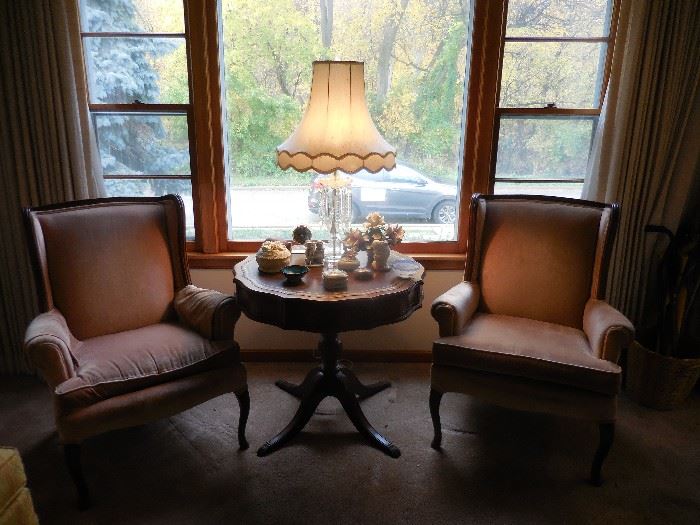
(314, 253)
(381, 252)
(301, 234)
(349, 262)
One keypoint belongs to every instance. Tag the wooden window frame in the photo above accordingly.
(147, 108)
(545, 112)
(205, 113)
(215, 249)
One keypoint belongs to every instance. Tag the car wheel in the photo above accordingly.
(445, 213)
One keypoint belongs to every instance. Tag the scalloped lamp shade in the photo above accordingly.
(336, 131)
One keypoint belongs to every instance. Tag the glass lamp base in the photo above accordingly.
(330, 261)
(335, 212)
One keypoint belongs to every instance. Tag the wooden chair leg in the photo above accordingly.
(244, 404)
(435, 398)
(71, 453)
(607, 434)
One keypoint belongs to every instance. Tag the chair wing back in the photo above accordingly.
(109, 265)
(539, 257)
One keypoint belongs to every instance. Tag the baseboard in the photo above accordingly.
(368, 356)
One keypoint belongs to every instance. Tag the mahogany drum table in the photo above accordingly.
(364, 305)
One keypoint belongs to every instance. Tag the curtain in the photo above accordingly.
(646, 150)
(48, 150)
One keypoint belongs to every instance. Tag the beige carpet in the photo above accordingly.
(496, 466)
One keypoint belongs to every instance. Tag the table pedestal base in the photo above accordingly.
(331, 379)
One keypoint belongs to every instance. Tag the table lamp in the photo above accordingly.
(336, 134)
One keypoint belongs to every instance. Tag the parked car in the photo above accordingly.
(400, 192)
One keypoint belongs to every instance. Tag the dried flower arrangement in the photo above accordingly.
(375, 228)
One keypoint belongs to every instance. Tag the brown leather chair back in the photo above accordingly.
(539, 257)
(109, 265)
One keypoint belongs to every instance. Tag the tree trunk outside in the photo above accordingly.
(385, 59)
(326, 22)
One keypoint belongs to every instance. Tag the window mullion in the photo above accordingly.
(560, 39)
(612, 34)
(534, 114)
(209, 190)
(548, 112)
(481, 131)
(161, 109)
(129, 34)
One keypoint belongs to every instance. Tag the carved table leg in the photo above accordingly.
(352, 408)
(303, 389)
(331, 380)
(298, 422)
(362, 391)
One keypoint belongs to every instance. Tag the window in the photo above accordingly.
(136, 58)
(193, 96)
(415, 62)
(552, 78)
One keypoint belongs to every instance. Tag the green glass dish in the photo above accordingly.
(294, 274)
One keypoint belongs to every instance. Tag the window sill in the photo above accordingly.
(226, 260)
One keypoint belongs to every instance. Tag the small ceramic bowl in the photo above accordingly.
(405, 268)
(294, 273)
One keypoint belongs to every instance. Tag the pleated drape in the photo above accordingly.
(646, 151)
(48, 150)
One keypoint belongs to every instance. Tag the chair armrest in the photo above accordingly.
(608, 331)
(48, 342)
(210, 313)
(455, 307)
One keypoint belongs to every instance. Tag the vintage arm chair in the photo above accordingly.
(124, 337)
(528, 329)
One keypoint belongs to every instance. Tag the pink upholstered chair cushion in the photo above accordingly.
(530, 349)
(115, 364)
(537, 261)
(109, 266)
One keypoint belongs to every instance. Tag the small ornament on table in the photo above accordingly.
(381, 252)
(334, 280)
(374, 229)
(394, 234)
(272, 256)
(314, 253)
(353, 242)
(349, 261)
(294, 274)
(300, 236)
(363, 274)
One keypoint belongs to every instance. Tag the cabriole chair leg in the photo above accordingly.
(244, 404)
(71, 453)
(607, 434)
(435, 398)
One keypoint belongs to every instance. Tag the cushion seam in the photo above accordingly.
(52, 336)
(533, 358)
(216, 313)
(58, 350)
(579, 385)
(138, 377)
(606, 335)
